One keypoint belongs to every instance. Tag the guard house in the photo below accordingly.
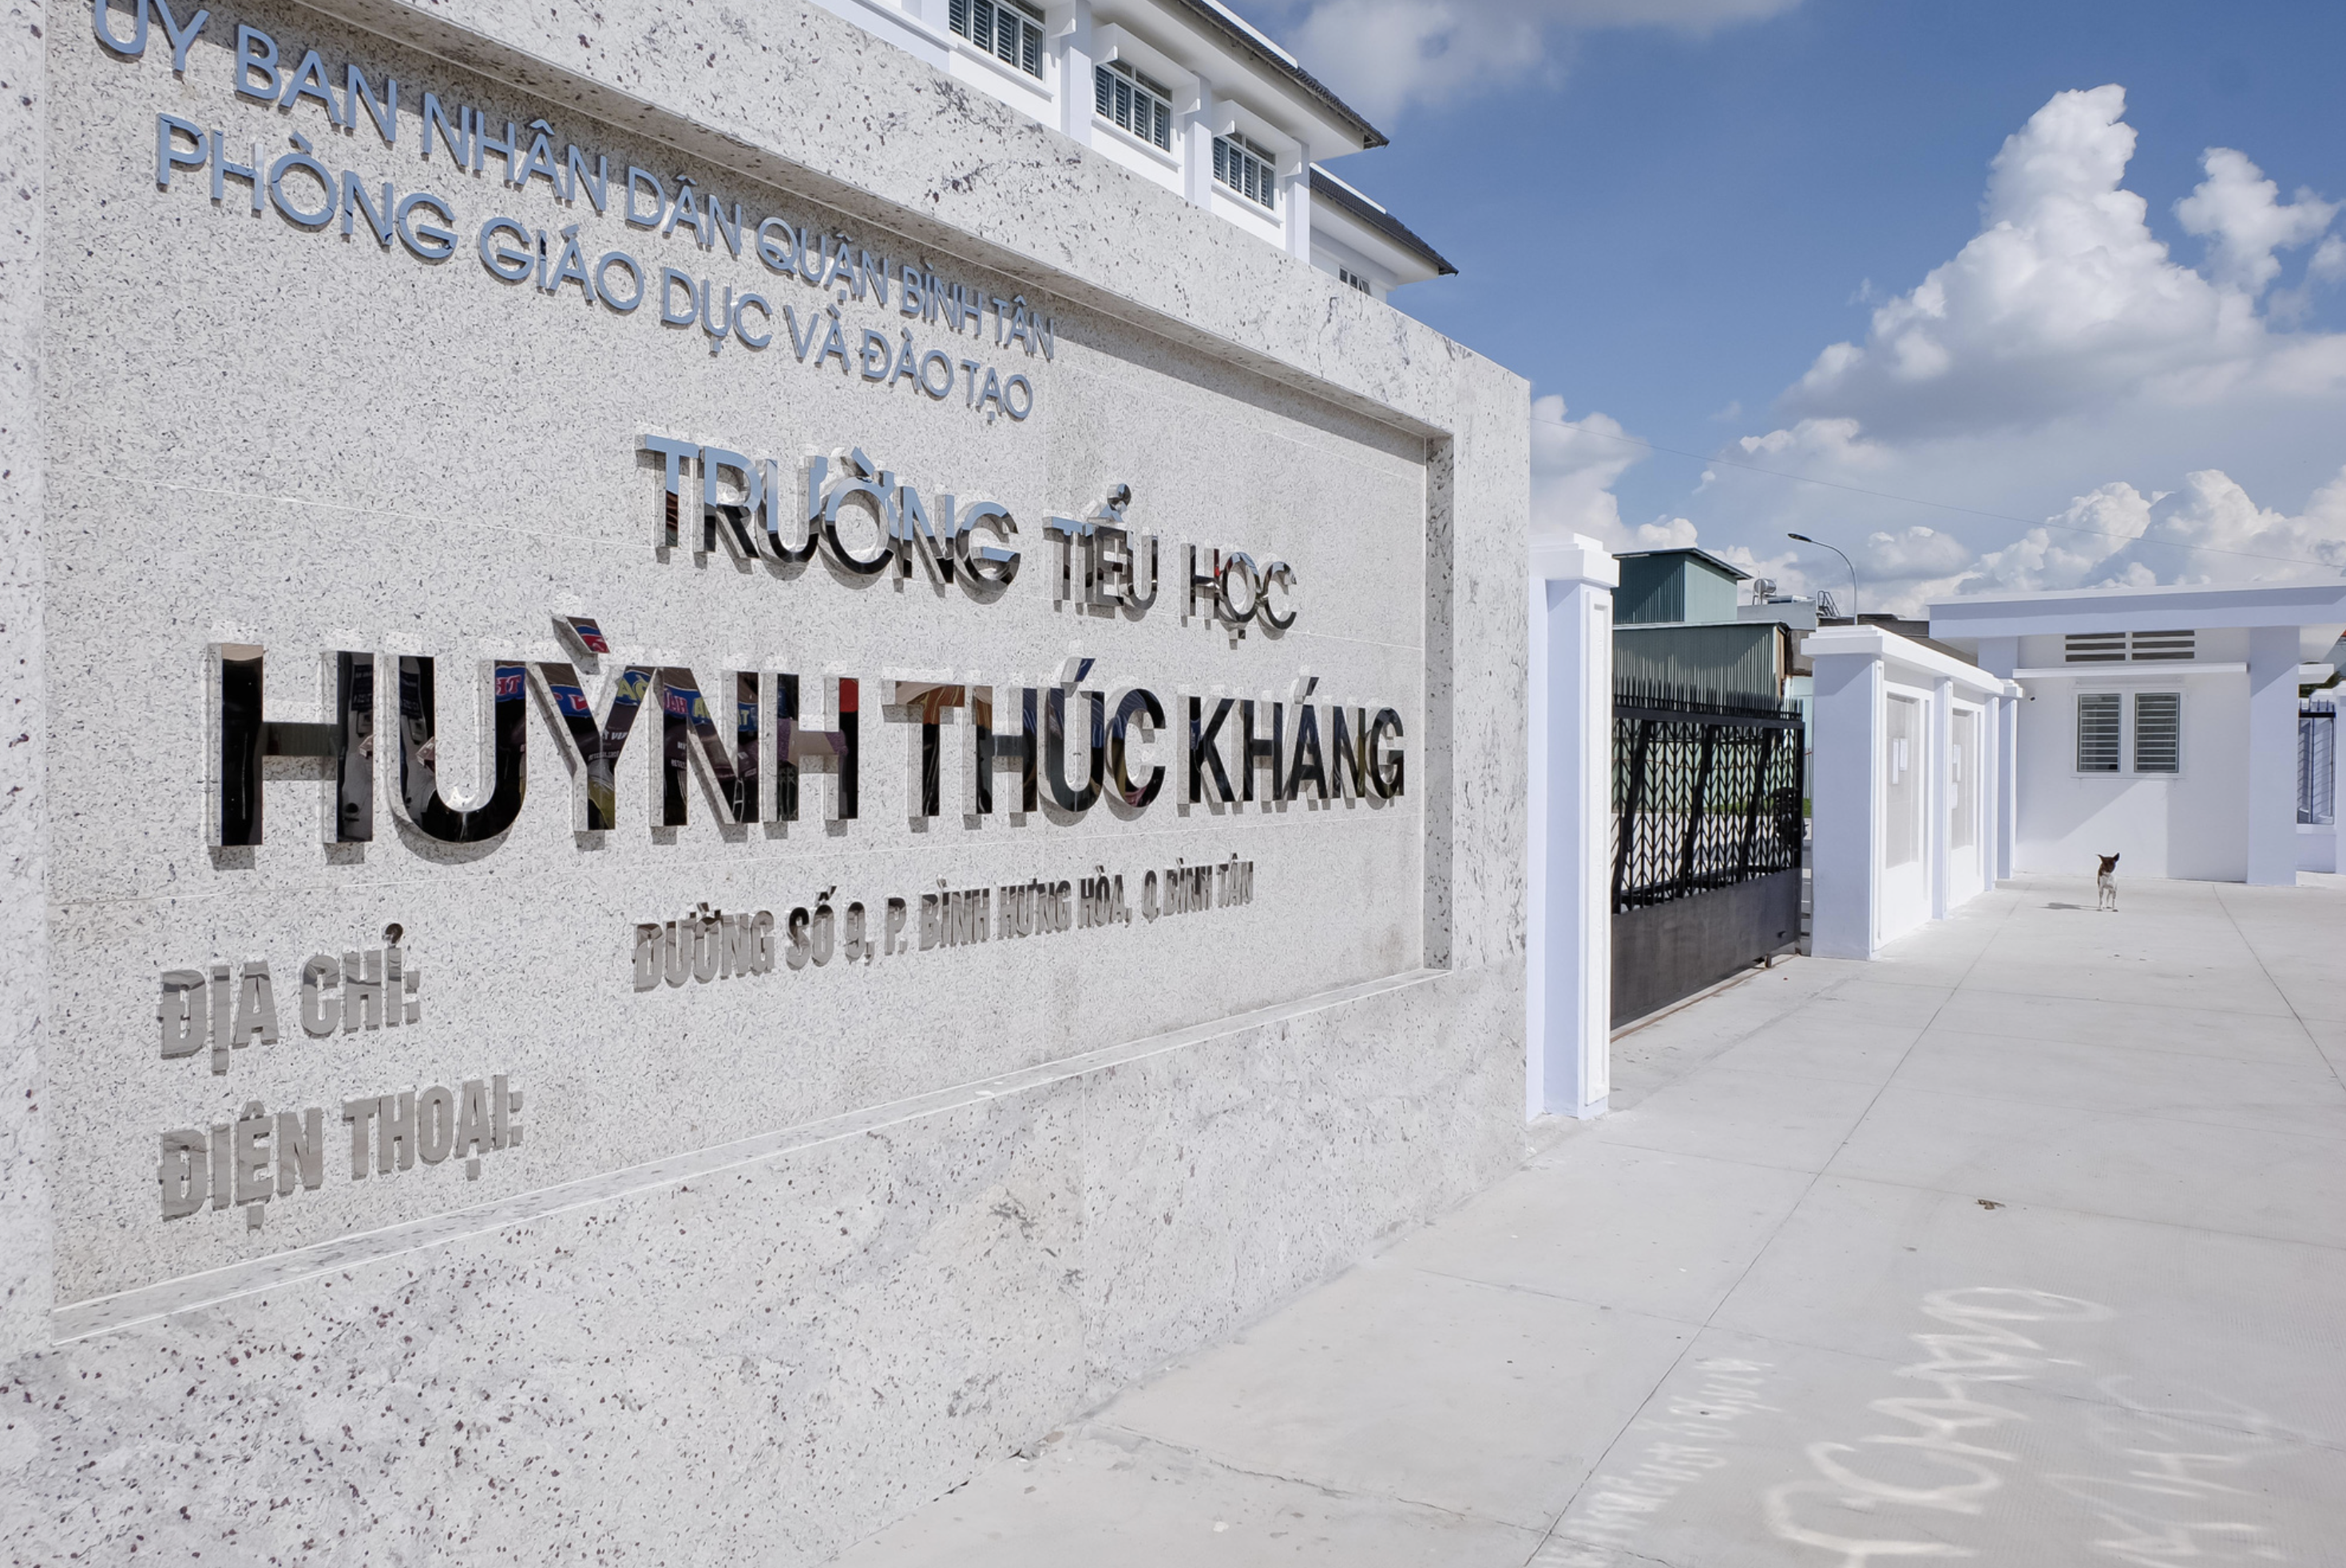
(2159, 725)
(1678, 629)
(1911, 747)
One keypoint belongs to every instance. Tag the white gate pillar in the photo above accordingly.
(1569, 921)
(2001, 657)
(2272, 756)
(1845, 792)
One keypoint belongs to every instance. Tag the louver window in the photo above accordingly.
(1134, 102)
(2099, 714)
(2162, 645)
(1246, 169)
(2159, 732)
(1009, 31)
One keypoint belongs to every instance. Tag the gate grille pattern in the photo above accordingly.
(1705, 794)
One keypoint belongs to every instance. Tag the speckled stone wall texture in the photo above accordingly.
(782, 1255)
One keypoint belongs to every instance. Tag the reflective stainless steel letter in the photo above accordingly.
(988, 751)
(596, 742)
(505, 755)
(1054, 745)
(835, 751)
(1385, 764)
(925, 701)
(1140, 706)
(685, 717)
(1204, 750)
(345, 739)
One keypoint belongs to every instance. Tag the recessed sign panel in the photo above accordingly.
(563, 656)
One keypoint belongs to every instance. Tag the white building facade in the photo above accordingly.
(1185, 93)
(2160, 725)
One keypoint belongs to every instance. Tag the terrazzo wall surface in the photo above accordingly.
(725, 1253)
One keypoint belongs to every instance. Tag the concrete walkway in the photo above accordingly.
(2024, 1244)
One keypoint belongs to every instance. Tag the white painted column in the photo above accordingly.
(1990, 763)
(1299, 205)
(1939, 794)
(2001, 656)
(2272, 756)
(1077, 57)
(1569, 920)
(1846, 848)
(1198, 142)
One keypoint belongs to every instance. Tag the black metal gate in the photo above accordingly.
(1708, 820)
(2316, 762)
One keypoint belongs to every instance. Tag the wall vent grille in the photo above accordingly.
(2096, 648)
(2120, 647)
(2163, 646)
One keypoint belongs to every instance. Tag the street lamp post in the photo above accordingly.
(1845, 560)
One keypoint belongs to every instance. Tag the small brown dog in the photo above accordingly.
(2105, 887)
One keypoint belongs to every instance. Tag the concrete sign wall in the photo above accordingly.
(751, 777)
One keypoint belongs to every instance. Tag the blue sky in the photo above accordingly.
(1665, 210)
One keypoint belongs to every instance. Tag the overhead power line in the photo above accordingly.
(1919, 501)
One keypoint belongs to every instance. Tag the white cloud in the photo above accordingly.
(1788, 570)
(1838, 443)
(1574, 465)
(2062, 351)
(1913, 555)
(2238, 212)
(2070, 554)
(2329, 263)
(2209, 531)
(2065, 300)
(1383, 56)
(2243, 542)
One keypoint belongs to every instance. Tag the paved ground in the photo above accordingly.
(2024, 1244)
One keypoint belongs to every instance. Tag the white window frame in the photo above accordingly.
(1237, 144)
(1350, 278)
(2134, 733)
(1140, 88)
(1032, 34)
(2128, 698)
(2078, 735)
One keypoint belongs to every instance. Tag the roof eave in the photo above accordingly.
(1327, 187)
(1244, 43)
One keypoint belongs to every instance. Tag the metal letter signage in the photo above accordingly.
(1238, 750)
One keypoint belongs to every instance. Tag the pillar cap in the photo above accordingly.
(1574, 558)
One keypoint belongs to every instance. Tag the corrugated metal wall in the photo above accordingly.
(1721, 662)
